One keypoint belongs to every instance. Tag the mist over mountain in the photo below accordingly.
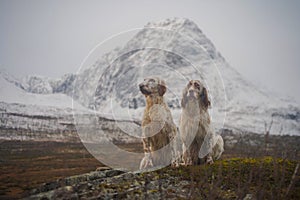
(175, 50)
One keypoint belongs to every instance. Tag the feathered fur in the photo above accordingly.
(197, 134)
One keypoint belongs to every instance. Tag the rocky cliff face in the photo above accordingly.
(27, 126)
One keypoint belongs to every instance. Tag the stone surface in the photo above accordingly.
(226, 179)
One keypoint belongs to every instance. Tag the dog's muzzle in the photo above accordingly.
(143, 89)
(191, 94)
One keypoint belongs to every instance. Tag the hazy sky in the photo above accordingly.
(261, 39)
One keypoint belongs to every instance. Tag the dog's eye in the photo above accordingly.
(197, 85)
(151, 80)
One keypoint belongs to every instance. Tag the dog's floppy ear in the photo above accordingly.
(204, 98)
(184, 99)
(162, 88)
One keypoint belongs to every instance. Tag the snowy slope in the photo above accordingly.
(12, 94)
(51, 117)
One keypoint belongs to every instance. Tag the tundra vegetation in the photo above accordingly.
(248, 169)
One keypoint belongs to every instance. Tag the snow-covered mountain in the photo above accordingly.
(44, 117)
(178, 51)
(175, 50)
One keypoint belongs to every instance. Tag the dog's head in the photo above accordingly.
(152, 86)
(195, 91)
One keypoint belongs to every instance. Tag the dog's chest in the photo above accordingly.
(192, 128)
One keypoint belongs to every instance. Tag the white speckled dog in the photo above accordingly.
(196, 132)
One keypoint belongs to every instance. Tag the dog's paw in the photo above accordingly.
(209, 160)
(188, 161)
(175, 163)
(146, 162)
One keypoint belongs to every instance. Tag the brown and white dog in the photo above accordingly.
(198, 137)
(158, 127)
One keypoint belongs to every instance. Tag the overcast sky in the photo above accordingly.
(50, 38)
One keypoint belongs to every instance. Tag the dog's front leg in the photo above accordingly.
(175, 157)
(184, 154)
(187, 160)
(147, 161)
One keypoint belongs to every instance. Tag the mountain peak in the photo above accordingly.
(174, 24)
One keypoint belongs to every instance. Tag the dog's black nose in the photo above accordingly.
(141, 85)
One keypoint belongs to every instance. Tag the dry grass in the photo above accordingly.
(25, 165)
(244, 168)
